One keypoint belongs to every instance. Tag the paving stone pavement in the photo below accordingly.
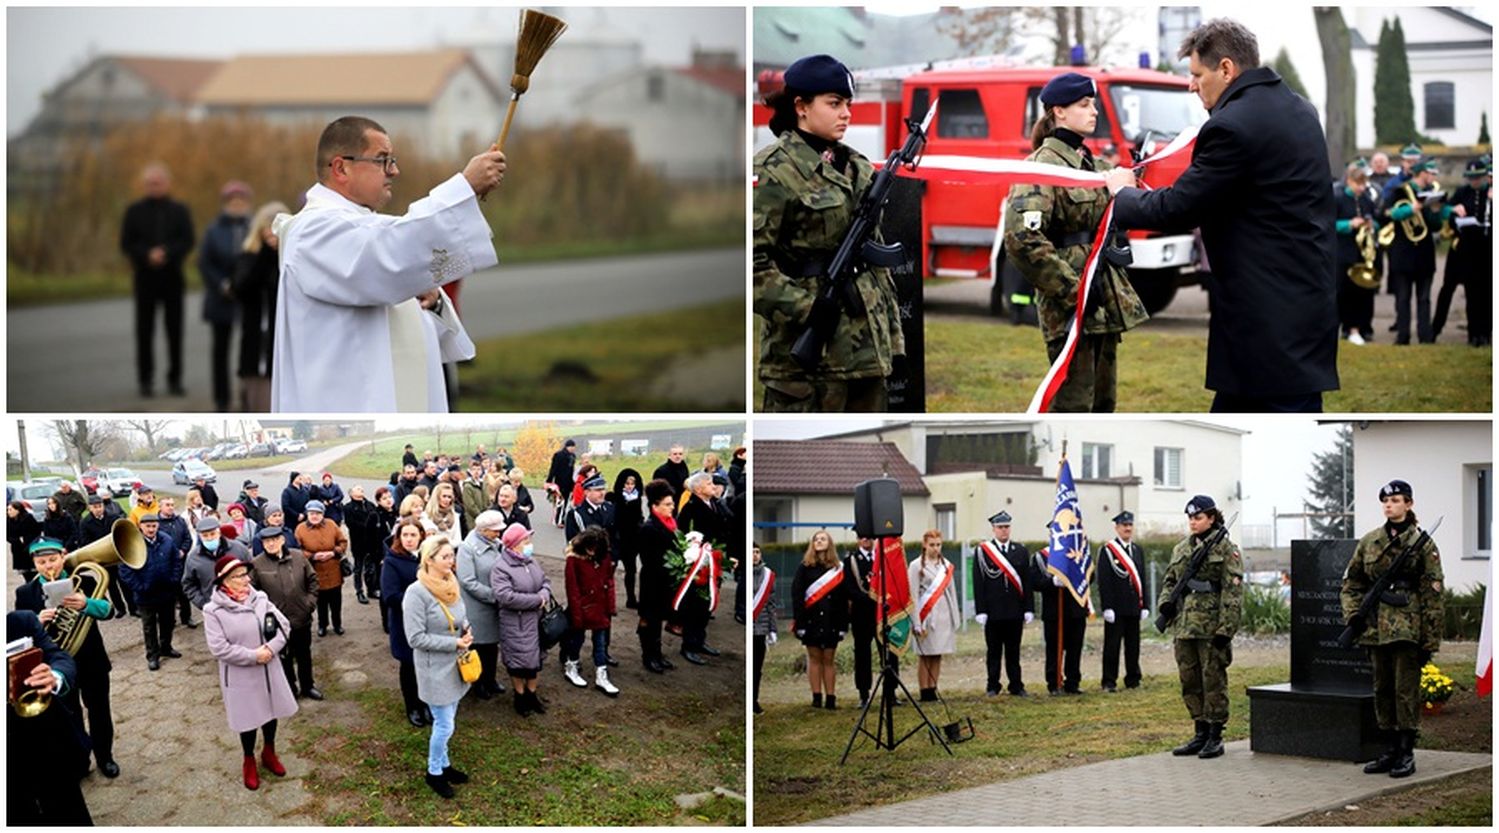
(1266, 789)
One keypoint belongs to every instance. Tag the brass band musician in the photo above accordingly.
(1414, 209)
(1357, 265)
(83, 607)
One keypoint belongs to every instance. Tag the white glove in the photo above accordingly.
(1029, 617)
(1108, 615)
(770, 638)
(1144, 613)
(982, 618)
(1056, 581)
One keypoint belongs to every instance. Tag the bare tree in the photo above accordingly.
(25, 455)
(150, 428)
(981, 31)
(84, 439)
(1337, 64)
(1094, 27)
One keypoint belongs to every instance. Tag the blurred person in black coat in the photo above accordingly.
(46, 754)
(157, 235)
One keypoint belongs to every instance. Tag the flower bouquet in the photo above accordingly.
(1436, 688)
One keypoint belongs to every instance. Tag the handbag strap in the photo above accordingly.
(445, 612)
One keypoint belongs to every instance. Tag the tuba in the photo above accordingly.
(123, 545)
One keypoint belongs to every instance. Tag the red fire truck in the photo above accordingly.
(988, 112)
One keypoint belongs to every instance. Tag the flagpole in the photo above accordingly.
(1061, 619)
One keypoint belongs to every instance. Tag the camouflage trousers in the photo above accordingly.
(1397, 685)
(1092, 375)
(1204, 676)
(786, 396)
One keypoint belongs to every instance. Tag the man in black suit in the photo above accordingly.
(1121, 574)
(1002, 602)
(156, 236)
(46, 754)
(1063, 621)
(1258, 187)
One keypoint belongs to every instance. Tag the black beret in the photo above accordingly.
(1067, 88)
(1396, 487)
(1200, 503)
(820, 74)
(1125, 517)
(1000, 518)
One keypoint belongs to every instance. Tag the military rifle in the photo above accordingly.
(1162, 620)
(1368, 609)
(858, 251)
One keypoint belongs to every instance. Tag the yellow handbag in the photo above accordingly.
(469, 666)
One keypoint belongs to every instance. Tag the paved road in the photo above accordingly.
(81, 357)
(1266, 789)
(1188, 311)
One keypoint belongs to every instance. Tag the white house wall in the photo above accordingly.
(465, 118)
(1438, 459)
(1471, 71)
(692, 131)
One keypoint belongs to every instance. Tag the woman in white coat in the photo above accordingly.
(937, 613)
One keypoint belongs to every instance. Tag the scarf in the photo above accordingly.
(445, 591)
(666, 520)
(238, 597)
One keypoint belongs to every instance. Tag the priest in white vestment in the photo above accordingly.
(361, 321)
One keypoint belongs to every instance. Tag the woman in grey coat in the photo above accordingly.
(245, 632)
(476, 557)
(436, 625)
(521, 590)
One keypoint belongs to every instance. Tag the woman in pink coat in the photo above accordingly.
(245, 633)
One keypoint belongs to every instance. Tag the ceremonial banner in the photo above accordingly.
(1067, 544)
(890, 573)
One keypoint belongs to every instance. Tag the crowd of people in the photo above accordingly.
(834, 597)
(446, 551)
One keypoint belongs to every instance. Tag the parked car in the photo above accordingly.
(187, 471)
(118, 482)
(262, 450)
(292, 446)
(33, 493)
(89, 480)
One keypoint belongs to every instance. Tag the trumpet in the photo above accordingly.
(1414, 226)
(1363, 274)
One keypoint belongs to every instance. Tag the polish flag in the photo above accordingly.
(1485, 668)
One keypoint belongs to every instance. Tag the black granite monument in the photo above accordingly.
(1327, 709)
(901, 223)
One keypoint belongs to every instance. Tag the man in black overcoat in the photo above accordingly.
(157, 235)
(1258, 188)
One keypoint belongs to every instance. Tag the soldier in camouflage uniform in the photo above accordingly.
(1049, 231)
(807, 185)
(1204, 628)
(1408, 627)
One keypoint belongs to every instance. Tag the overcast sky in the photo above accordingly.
(1277, 455)
(45, 45)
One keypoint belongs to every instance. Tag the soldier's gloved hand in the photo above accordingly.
(1424, 656)
(1168, 610)
(1029, 617)
(1221, 641)
(1056, 581)
(982, 618)
(1144, 613)
(1108, 615)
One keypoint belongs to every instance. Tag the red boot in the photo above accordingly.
(271, 762)
(252, 776)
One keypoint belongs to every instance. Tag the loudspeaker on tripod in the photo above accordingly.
(877, 509)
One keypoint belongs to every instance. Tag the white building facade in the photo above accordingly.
(1451, 57)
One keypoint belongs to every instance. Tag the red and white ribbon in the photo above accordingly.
(929, 599)
(1004, 566)
(705, 569)
(762, 593)
(980, 169)
(825, 584)
(1129, 567)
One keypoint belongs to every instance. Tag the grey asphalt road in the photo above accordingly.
(81, 357)
(1188, 311)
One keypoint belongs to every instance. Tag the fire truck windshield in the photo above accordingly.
(1164, 111)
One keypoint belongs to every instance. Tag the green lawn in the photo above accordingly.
(987, 366)
(626, 355)
(623, 767)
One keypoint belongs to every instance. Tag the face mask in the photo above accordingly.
(211, 545)
(527, 549)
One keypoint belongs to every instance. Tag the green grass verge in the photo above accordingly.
(623, 766)
(625, 354)
(1469, 803)
(976, 366)
(798, 779)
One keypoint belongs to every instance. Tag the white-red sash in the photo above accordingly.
(972, 169)
(707, 558)
(1004, 566)
(825, 584)
(932, 594)
(762, 593)
(1129, 567)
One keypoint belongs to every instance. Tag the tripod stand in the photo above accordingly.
(888, 681)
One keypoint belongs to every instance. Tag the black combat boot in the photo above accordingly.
(816, 699)
(1214, 747)
(1405, 765)
(1193, 746)
(1387, 758)
(831, 703)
